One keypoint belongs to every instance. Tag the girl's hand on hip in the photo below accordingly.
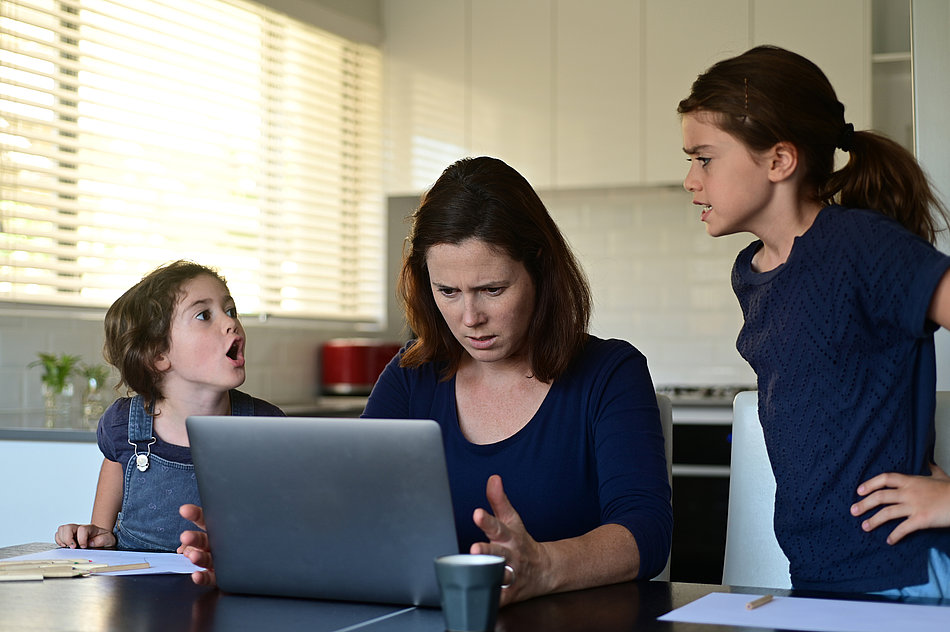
(922, 502)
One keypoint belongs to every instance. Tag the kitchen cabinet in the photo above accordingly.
(511, 75)
(682, 39)
(598, 125)
(579, 95)
(835, 35)
(427, 93)
(46, 483)
(892, 92)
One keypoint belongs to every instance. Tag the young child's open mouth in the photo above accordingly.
(235, 352)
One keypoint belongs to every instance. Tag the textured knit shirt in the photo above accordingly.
(592, 454)
(839, 339)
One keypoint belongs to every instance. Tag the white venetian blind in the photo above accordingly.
(136, 132)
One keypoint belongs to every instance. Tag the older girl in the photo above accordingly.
(840, 294)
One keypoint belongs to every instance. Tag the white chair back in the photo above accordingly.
(753, 556)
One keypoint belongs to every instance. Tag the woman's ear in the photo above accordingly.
(783, 161)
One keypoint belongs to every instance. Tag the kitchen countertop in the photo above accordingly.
(30, 425)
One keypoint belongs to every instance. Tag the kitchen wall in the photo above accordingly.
(658, 280)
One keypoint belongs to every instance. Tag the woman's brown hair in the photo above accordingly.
(485, 199)
(769, 95)
(138, 326)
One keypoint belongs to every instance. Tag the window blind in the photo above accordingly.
(137, 132)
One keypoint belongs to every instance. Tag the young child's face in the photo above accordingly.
(206, 346)
(730, 186)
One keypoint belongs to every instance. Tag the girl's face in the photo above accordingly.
(485, 297)
(206, 346)
(725, 178)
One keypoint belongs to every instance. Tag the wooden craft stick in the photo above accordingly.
(120, 567)
(41, 573)
(6, 564)
(21, 577)
(37, 569)
(761, 601)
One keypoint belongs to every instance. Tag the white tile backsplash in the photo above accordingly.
(658, 279)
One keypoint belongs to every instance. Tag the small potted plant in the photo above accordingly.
(94, 392)
(57, 389)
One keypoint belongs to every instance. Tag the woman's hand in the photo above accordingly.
(922, 501)
(85, 536)
(508, 538)
(194, 546)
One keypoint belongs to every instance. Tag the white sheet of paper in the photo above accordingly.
(813, 615)
(159, 563)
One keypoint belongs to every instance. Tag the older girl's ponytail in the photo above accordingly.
(884, 176)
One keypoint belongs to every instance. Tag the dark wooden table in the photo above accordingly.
(172, 603)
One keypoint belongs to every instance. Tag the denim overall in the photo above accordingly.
(155, 488)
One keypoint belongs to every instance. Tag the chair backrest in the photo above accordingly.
(666, 420)
(753, 556)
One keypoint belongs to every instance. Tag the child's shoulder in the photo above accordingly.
(248, 405)
(837, 218)
(118, 413)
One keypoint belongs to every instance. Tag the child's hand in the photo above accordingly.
(923, 502)
(194, 546)
(85, 536)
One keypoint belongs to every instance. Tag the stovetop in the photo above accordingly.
(713, 394)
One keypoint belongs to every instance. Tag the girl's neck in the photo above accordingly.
(779, 233)
(171, 412)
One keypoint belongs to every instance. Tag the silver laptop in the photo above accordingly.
(327, 508)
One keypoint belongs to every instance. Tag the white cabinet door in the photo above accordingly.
(584, 94)
(598, 124)
(682, 39)
(511, 75)
(835, 35)
(426, 91)
(45, 484)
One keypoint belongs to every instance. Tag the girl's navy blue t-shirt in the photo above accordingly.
(839, 339)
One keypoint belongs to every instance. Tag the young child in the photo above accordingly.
(841, 294)
(177, 342)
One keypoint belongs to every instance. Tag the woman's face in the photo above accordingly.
(485, 297)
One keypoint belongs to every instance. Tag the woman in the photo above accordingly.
(535, 413)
